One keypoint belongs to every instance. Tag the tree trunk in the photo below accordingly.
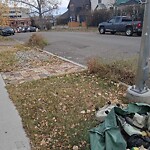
(41, 22)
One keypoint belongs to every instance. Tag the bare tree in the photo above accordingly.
(39, 7)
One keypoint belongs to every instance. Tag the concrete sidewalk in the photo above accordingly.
(12, 135)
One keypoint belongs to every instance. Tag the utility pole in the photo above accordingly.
(140, 91)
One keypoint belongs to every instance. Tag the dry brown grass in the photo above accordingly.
(37, 40)
(5, 38)
(8, 61)
(121, 70)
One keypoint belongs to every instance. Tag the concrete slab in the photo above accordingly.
(138, 97)
(12, 135)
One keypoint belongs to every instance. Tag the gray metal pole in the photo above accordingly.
(140, 92)
(143, 65)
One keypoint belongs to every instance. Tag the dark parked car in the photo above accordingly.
(31, 29)
(121, 24)
(4, 31)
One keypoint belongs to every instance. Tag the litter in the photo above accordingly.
(122, 129)
(101, 113)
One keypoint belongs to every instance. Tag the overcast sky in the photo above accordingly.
(64, 3)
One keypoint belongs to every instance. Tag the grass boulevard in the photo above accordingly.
(57, 104)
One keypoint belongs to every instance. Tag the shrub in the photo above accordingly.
(99, 16)
(48, 26)
(120, 70)
(3, 38)
(62, 21)
(95, 65)
(37, 40)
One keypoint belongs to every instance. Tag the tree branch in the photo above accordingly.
(21, 1)
(33, 12)
(46, 11)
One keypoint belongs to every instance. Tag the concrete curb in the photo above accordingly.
(65, 59)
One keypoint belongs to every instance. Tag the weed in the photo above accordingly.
(37, 40)
(22, 47)
(121, 70)
(3, 38)
(7, 61)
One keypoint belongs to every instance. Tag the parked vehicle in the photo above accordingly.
(5, 31)
(19, 29)
(31, 29)
(121, 24)
(26, 29)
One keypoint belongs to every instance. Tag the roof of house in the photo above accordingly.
(127, 2)
(79, 3)
(65, 15)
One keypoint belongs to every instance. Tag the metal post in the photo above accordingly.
(143, 66)
(140, 92)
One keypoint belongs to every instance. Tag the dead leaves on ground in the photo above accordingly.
(57, 112)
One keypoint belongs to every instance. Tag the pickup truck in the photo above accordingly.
(121, 24)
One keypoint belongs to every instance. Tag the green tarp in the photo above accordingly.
(107, 136)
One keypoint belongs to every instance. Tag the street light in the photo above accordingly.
(140, 92)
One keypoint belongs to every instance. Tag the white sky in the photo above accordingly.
(64, 3)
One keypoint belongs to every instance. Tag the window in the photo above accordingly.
(126, 19)
(72, 7)
(117, 19)
(12, 12)
(112, 20)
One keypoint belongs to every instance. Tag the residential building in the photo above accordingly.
(77, 10)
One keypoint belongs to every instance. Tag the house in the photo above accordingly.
(130, 8)
(78, 9)
(77, 12)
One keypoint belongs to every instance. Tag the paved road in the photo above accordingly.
(79, 46)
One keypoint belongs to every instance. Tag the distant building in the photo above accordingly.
(135, 10)
(18, 16)
(77, 10)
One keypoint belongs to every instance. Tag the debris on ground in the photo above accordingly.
(121, 129)
(101, 113)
